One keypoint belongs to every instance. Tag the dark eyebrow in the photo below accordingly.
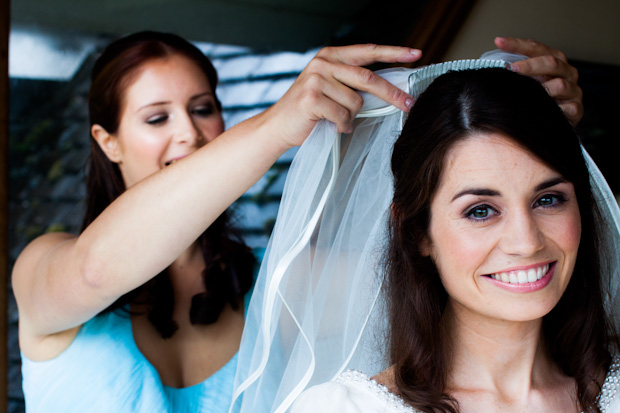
(550, 182)
(490, 192)
(476, 191)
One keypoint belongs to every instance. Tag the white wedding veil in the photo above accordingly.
(317, 309)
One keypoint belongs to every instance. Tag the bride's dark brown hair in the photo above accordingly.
(228, 275)
(577, 332)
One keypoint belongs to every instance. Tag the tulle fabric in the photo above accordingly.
(317, 309)
(309, 325)
(609, 239)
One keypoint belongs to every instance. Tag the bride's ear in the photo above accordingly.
(107, 142)
(426, 247)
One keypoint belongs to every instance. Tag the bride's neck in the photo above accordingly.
(494, 355)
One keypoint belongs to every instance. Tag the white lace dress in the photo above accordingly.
(355, 392)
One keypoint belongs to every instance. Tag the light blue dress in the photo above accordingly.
(104, 371)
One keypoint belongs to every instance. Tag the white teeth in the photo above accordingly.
(522, 276)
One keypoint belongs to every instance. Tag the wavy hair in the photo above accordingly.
(577, 332)
(228, 275)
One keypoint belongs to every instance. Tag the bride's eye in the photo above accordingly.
(480, 213)
(550, 200)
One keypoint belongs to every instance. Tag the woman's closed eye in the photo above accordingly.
(157, 120)
(481, 213)
(203, 110)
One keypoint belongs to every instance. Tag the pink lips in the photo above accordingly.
(527, 287)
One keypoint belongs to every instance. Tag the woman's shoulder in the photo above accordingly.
(38, 248)
(31, 279)
(34, 259)
(351, 391)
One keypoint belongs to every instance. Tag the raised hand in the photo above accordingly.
(326, 89)
(552, 68)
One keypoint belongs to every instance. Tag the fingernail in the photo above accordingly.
(415, 52)
(514, 68)
(409, 102)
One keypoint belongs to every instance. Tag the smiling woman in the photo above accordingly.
(500, 265)
(524, 144)
(167, 113)
(152, 102)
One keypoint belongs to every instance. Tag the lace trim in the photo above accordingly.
(360, 379)
(610, 388)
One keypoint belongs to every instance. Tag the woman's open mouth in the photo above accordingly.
(522, 276)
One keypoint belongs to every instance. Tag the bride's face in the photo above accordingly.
(504, 230)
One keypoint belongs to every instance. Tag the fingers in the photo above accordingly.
(551, 67)
(568, 96)
(343, 64)
(323, 97)
(548, 66)
(543, 60)
(560, 89)
(366, 54)
(336, 113)
(530, 48)
(573, 111)
(365, 80)
(319, 106)
(351, 77)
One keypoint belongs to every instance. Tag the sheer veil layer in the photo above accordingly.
(317, 308)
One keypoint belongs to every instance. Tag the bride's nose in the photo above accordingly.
(522, 235)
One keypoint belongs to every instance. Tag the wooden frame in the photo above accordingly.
(4, 152)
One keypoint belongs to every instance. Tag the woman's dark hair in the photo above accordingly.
(577, 332)
(228, 275)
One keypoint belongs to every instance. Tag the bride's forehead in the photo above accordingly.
(482, 148)
(491, 158)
